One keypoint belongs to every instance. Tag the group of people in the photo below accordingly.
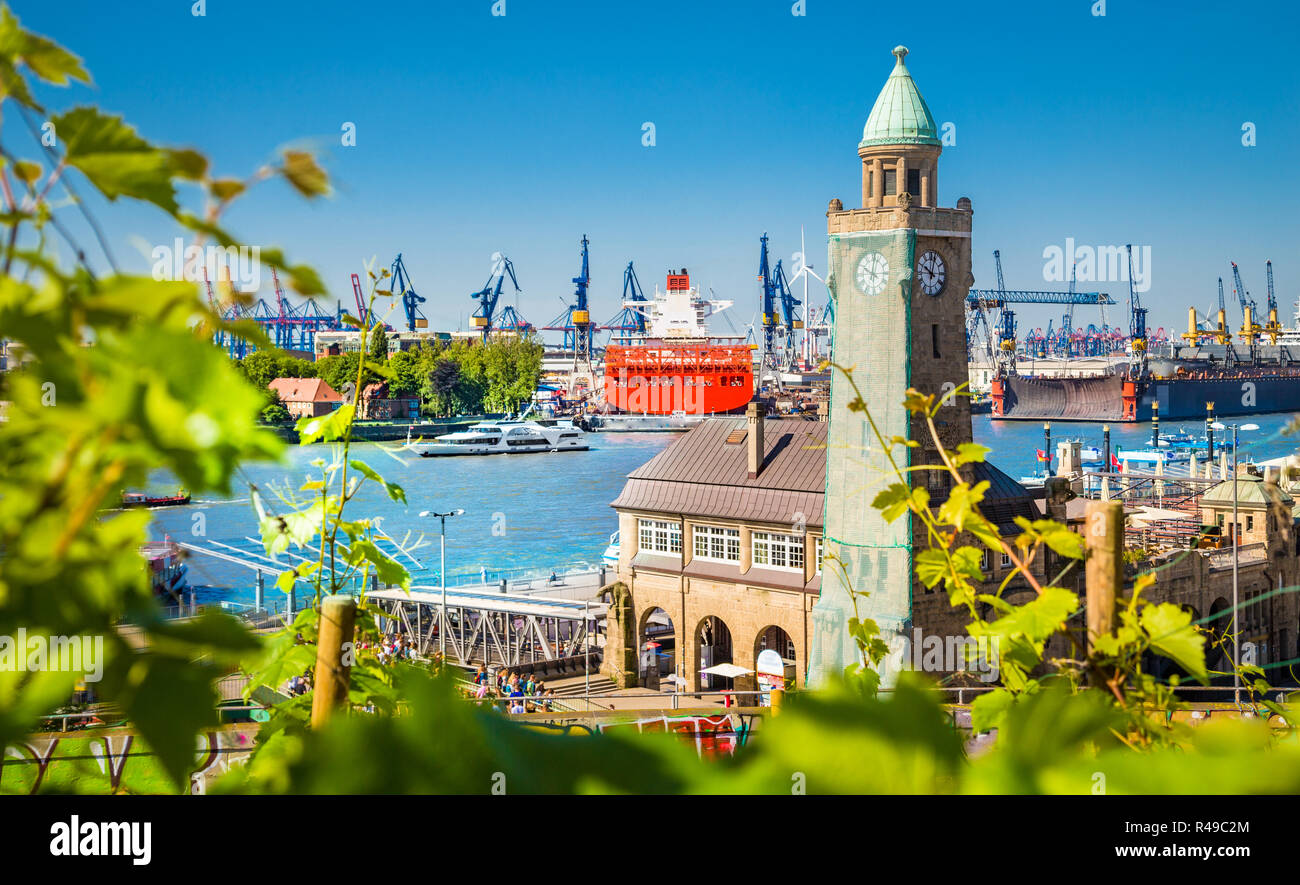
(392, 648)
(520, 693)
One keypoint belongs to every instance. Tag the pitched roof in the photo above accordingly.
(703, 474)
(304, 390)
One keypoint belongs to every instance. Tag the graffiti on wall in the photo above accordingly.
(115, 762)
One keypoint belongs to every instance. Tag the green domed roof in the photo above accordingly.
(900, 115)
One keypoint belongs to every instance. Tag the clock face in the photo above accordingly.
(932, 273)
(873, 273)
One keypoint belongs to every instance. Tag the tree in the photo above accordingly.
(275, 411)
(379, 345)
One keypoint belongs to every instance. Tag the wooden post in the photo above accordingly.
(1105, 567)
(778, 700)
(338, 616)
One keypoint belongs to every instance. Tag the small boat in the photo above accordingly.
(139, 499)
(610, 558)
(1153, 456)
(507, 437)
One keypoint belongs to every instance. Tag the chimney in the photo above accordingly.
(754, 438)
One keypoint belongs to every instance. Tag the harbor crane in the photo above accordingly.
(1137, 318)
(1249, 331)
(630, 320)
(402, 288)
(1273, 328)
(769, 364)
(576, 325)
(485, 316)
(980, 301)
(790, 321)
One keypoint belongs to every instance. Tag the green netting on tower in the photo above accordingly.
(871, 282)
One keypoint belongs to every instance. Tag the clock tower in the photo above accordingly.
(900, 268)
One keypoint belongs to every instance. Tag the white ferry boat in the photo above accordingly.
(508, 437)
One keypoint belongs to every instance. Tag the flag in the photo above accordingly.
(1042, 456)
(1114, 462)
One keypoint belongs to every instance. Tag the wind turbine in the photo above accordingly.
(806, 270)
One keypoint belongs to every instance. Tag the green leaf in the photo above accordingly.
(301, 170)
(970, 453)
(115, 159)
(987, 710)
(325, 428)
(393, 489)
(390, 572)
(1174, 637)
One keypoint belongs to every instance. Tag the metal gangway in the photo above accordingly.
(483, 627)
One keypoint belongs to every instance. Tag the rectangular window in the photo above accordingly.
(659, 536)
(778, 551)
(891, 187)
(1006, 560)
(871, 183)
(1250, 523)
(914, 182)
(716, 543)
(934, 339)
(820, 554)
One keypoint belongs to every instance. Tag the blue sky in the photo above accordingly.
(522, 132)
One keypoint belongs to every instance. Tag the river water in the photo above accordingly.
(549, 512)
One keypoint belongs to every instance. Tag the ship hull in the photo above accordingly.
(1113, 398)
(666, 378)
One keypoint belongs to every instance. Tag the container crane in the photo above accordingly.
(361, 300)
(1273, 328)
(630, 320)
(1137, 318)
(575, 322)
(982, 300)
(402, 288)
(1249, 328)
(768, 366)
(790, 321)
(485, 315)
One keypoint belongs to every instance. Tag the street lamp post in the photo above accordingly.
(442, 572)
(1236, 545)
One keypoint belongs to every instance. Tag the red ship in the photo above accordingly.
(677, 367)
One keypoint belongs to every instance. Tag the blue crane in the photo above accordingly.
(768, 307)
(485, 315)
(1249, 328)
(1137, 314)
(630, 320)
(575, 322)
(402, 288)
(790, 321)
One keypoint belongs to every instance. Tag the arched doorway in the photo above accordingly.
(656, 647)
(713, 639)
(1218, 648)
(768, 673)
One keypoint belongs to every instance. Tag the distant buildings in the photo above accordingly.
(306, 397)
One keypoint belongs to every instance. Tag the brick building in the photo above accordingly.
(306, 397)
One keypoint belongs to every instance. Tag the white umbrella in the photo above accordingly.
(727, 671)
